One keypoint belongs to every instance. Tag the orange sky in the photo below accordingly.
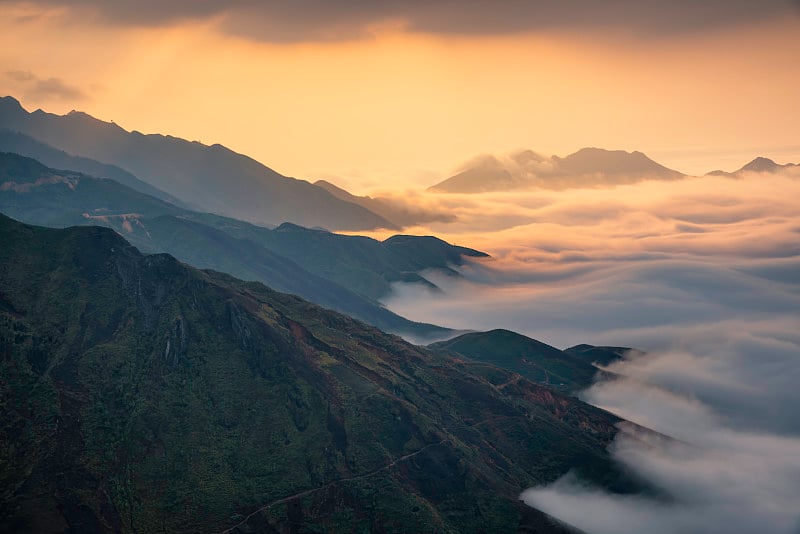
(405, 109)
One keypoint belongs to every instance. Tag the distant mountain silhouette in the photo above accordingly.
(209, 178)
(589, 167)
(24, 145)
(400, 215)
(758, 165)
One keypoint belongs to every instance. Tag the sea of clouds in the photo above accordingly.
(704, 275)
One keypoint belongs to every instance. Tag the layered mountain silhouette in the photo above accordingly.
(589, 167)
(758, 165)
(345, 273)
(209, 178)
(143, 395)
(18, 143)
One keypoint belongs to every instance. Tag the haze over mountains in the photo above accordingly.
(209, 178)
(757, 165)
(406, 214)
(589, 167)
(345, 273)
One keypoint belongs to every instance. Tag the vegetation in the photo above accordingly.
(141, 395)
(569, 371)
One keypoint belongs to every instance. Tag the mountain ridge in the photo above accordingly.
(212, 178)
(345, 273)
(588, 167)
(759, 164)
(569, 371)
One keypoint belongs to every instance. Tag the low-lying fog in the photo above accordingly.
(704, 275)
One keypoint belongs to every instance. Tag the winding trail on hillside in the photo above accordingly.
(284, 500)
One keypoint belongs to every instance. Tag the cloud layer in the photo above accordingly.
(731, 404)
(704, 275)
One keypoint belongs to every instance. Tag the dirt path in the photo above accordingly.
(329, 484)
(514, 380)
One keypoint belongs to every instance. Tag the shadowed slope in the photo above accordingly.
(142, 395)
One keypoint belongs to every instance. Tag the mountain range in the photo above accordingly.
(140, 395)
(346, 273)
(588, 167)
(208, 178)
(758, 165)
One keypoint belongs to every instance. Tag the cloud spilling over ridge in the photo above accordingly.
(305, 20)
(704, 275)
(731, 403)
(735, 483)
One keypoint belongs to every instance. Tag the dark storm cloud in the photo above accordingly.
(34, 87)
(319, 19)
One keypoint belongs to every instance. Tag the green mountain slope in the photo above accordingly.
(210, 178)
(570, 370)
(142, 395)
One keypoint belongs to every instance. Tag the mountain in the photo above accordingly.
(602, 355)
(589, 167)
(758, 165)
(360, 264)
(209, 178)
(401, 215)
(431, 251)
(36, 194)
(366, 265)
(141, 395)
(570, 370)
(52, 157)
(489, 174)
(345, 273)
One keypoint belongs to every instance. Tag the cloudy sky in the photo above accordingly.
(402, 92)
(389, 97)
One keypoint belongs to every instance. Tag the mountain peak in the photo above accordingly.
(591, 160)
(588, 167)
(761, 164)
(10, 101)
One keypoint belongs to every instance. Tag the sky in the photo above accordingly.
(401, 94)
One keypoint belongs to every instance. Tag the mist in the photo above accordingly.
(704, 276)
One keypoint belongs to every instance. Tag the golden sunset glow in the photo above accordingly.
(403, 108)
(400, 266)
